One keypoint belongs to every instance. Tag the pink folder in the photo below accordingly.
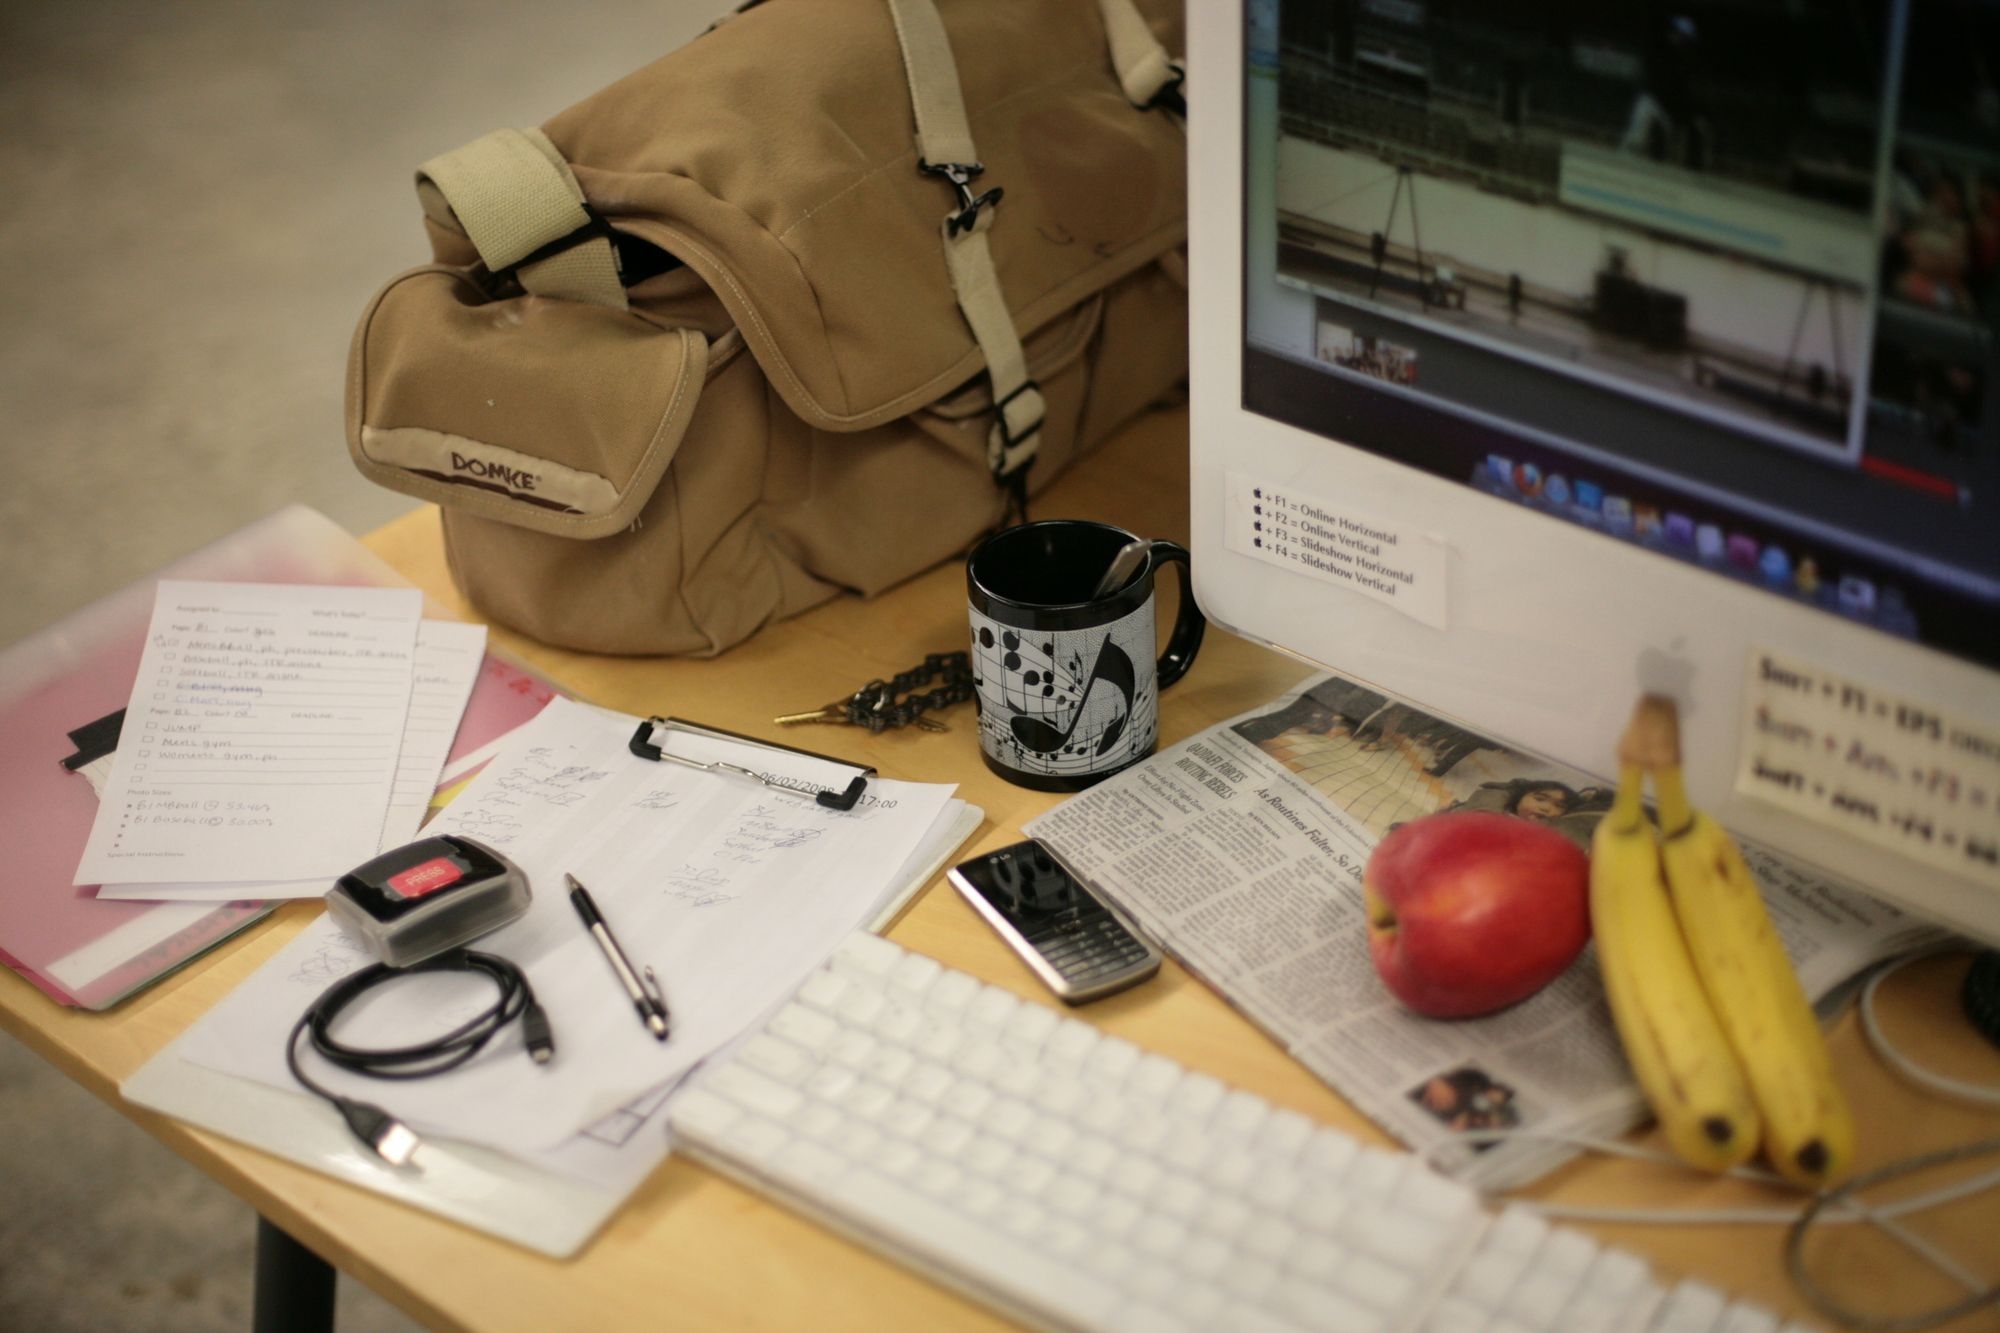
(89, 952)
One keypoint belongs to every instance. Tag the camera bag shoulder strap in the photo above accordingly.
(945, 148)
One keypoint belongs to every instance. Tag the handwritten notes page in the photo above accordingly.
(732, 892)
(262, 735)
(448, 661)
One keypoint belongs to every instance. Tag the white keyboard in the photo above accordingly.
(1075, 1180)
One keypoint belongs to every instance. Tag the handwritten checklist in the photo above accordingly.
(263, 735)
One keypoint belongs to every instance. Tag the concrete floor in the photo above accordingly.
(198, 200)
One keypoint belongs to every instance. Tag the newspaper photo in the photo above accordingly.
(1241, 850)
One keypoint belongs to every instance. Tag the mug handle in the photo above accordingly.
(1189, 624)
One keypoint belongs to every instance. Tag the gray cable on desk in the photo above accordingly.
(1823, 1302)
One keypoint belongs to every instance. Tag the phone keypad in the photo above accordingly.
(1084, 949)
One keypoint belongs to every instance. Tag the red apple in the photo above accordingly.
(1472, 911)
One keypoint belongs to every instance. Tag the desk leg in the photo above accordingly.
(294, 1285)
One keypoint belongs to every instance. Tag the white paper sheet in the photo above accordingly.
(262, 734)
(447, 663)
(733, 892)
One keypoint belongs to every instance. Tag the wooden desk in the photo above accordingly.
(691, 1250)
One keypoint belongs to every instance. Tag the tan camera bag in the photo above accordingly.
(801, 308)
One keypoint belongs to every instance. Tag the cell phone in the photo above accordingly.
(1079, 946)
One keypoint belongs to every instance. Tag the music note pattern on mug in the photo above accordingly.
(1066, 702)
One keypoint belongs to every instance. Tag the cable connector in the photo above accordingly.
(535, 1030)
(393, 1141)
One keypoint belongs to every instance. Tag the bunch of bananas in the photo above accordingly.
(1718, 1031)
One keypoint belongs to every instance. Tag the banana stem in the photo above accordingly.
(1670, 794)
(1628, 808)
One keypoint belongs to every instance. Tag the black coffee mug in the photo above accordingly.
(1068, 687)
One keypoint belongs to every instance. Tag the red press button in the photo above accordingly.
(437, 873)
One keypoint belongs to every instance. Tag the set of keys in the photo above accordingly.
(878, 707)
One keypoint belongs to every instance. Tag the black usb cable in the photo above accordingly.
(389, 1137)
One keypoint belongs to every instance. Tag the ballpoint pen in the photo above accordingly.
(645, 993)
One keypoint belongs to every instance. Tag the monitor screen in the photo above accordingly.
(1718, 280)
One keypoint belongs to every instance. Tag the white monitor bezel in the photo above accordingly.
(1518, 660)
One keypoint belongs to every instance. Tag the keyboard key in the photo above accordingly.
(1090, 1157)
(1241, 1113)
(928, 1083)
(755, 1140)
(753, 1091)
(888, 1065)
(937, 1176)
(952, 992)
(947, 1136)
(1328, 1152)
(817, 1120)
(851, 1047)
(1691, 1307)
(1028, 1027)
(966, 1099)
(1195, 1097)
(809, 1164)
(992, 1006)
(829, 1082)
(805, 1027)
(1455, 1314)
(1158, 1236)
(869, 955)
(1268, 1238)
(905, 1118)
(1283, 1133)
(777, 1057)
(1745, 1318)
(1375, 1283)
(1071, 1042)
(987, 1155)
(1539, 1297)
(1112, 1059)
(696, 1110)
(1072, 1197)
(914, 972)
(1114, 1215)
(1516, 1231)
(1374, 1174)
(1051, 1136)
(1179, 1198)
(822, 990)
(1566, 1251)
(861, 1006)
(867, 1099)
(1153, 1076)
(1488, 1277)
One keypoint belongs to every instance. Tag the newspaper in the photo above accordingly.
(1242, 848)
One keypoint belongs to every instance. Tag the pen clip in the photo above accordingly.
(650, 983)
(645, 746)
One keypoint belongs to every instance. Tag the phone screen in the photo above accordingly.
(1036, 895)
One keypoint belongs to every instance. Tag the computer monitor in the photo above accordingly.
(1551, 353)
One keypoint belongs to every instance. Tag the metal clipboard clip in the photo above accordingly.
(644, 745)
